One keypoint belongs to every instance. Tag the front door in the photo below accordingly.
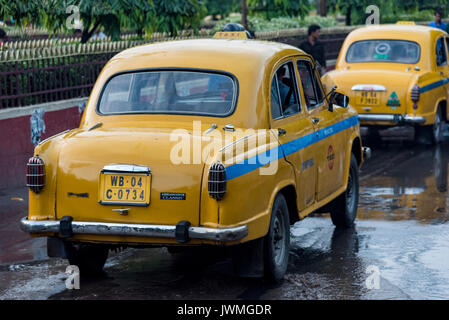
(329, 144)
(294, 129)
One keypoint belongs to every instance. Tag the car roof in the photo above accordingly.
(395, 31)
(201, 53)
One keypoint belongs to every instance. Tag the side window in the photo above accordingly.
(441, 55)
(310, 84)
(317, 84)
(284, 93)
(275, 102)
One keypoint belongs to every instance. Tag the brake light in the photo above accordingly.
(35, 174)
(415, 95)
(217, 181)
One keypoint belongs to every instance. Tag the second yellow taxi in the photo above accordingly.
(396, 75)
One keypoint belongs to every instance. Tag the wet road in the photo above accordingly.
(402, 235)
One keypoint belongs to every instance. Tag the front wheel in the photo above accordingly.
(277, 241)
(344, 208)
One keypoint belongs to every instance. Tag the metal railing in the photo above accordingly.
(40, 71)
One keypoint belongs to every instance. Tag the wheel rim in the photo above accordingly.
(350, 196)
(437, 127)
(278, 241)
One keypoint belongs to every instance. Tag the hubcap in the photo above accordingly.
(278, 242)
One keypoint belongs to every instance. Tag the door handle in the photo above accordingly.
(316, 120)
(282, 132)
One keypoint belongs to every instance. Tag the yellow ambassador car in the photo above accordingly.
(197, 143)
(396, 75)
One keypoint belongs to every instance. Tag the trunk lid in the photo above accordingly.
(86, 153)
(376, 91)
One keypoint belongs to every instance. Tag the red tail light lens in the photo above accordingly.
(416, 93)
(217, 181)
(35, 174)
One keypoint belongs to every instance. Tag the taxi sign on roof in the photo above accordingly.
(234, 35)
(406, 23)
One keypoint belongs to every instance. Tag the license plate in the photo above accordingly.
(368, 98)
(125, 189)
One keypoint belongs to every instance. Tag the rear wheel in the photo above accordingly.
(89, 258)
(277, 241)
(432, 134)
(343, 209)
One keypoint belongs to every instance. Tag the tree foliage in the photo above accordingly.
(278, 8)
(139, 15)
(354, 10)
(222, 8)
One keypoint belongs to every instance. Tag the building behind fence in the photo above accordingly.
(40, 71)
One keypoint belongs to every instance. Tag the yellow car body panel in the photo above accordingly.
(306, 166)
(396, 78)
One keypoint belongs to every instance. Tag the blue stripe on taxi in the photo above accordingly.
(261, 160)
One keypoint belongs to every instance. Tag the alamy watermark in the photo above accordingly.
(374, 15)
(73, 20)
(73, 280)
(229, 146)
(373, 279)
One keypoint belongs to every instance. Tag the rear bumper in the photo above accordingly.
(182, 232)
(394, 118)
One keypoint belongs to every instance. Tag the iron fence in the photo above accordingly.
(35, 73)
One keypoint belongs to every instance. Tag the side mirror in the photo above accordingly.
(339, 99)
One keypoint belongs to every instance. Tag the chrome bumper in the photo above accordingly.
(135, 230)
(396, 118)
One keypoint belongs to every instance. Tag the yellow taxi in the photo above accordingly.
(396, 75)
(211, 142)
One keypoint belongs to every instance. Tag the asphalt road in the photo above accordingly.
(399, 248)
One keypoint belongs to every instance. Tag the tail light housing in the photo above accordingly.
(35, 174)
(217, 181)
(415, 95)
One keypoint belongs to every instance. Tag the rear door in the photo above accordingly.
(294, 130)
(329, 146)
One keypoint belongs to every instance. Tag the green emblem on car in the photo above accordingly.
(393, 101)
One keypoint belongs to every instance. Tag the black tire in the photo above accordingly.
(432, 134)
(343, 209)
(277, 241)
(90, 259)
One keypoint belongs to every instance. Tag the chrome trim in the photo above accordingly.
(414, 119)
(396, 118)
(128, 168)
(235, 142)
(135, 230)
(369, 87)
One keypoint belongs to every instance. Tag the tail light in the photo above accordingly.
(217, 181)
(415, 94)
(35, 174)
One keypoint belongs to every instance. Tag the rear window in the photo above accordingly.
(176, 92)
(398, 51)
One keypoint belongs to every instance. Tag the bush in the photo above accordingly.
(418, 16)
(260, 24)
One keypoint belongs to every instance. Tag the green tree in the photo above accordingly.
(222, 8)
(277, 8)
(139, 15)
(175, 15)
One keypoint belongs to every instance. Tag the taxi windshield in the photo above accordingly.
(172, 91)
(398, 51)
